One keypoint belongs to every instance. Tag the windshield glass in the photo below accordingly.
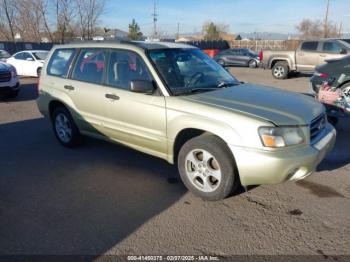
(40, 55)
(190, 70)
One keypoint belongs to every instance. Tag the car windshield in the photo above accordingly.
(187, 71)
(40, 55)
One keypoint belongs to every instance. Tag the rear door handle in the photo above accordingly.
(112, 96)
(69, 87)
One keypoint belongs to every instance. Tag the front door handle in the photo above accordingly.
(69, 87)
(112, 96)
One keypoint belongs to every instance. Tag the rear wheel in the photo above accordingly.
(64, 127)
(252, 64)
(207, 167)
(38, 71)
(280, 70)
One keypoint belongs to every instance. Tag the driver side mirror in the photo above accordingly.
(343, 51)
(29, 59)
(142, 86)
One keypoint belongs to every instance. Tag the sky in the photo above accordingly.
(248, 16)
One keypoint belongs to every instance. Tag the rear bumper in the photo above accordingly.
(257, 167)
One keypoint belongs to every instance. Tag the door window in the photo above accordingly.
(124, 67)
(309, 46)
(60, 61)
(331, 47)
(90, 66)
(19, 56)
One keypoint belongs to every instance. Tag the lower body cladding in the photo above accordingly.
(258, 167)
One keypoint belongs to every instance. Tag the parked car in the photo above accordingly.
(331, 86)
(238, 57)
(9, 82)
(307, 56)
(174, 102)
(28, 63)
(4, 55)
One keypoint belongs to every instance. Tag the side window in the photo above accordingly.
(331, 47)
(59, 62)
(19, 56)
(309, 46)
(90, 66)
(27, 55)
(125, 66)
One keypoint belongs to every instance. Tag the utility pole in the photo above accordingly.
(155, 19)
(178, 31)
(340, 29)
(326, 21)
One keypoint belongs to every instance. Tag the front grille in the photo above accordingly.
(5, 76)
(317, 126)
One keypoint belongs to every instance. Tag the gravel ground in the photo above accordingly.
(106, 199)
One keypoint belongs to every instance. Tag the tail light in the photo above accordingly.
(322, 75)
(261, 55)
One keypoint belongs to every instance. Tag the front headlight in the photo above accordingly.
(281, 136)
(13, 73)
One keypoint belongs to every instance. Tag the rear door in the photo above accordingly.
(85, 89)
(330, 50)
(307, 56)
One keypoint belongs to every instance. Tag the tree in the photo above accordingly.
(88, 13)
(134, 31)
(214, 31)
(8, 13)
(309, 29)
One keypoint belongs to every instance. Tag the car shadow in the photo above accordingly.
(55, 200)
(28, 92)
(340, 155)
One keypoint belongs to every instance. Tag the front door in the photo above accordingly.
(307, 57)
(135, 119)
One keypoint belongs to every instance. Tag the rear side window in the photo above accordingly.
(90, 66)
(59, 62)
(331, 47)
(309, 46)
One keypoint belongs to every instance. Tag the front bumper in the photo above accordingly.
(12, 85)
(257, 167)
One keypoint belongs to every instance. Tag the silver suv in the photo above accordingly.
(174, 102)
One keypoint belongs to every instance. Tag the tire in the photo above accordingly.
(280, 70)
(13, 94)
(64, 128)
(200, 159)
(38, 71)
(252, 64)
(221, 62)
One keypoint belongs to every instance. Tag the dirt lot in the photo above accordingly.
(106, 199)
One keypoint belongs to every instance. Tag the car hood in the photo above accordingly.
(271, 104)
(5, 66)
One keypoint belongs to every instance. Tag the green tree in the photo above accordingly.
(134, 31)
(211, 31)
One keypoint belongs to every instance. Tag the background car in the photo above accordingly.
(9, 82)
(238, 57)
(28, 63)
(4, 55)
(333, 79)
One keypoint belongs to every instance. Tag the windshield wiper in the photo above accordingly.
(227, 84)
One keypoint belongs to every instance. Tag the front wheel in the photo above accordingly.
(280, 70)
(38, 71)
(207, 168)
